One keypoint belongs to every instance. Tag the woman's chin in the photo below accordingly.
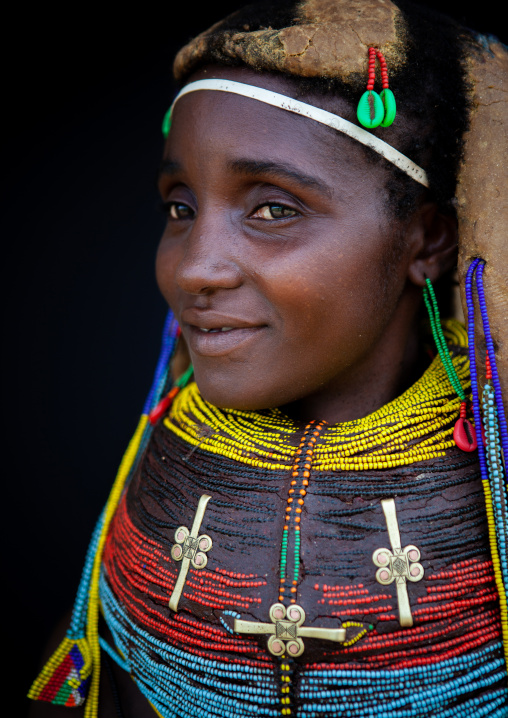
(224, 392)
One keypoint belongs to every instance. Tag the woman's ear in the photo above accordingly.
(434, 236)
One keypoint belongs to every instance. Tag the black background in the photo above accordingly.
(83, 94)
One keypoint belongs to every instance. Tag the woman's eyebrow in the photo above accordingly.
(168, 167)
(259, 167)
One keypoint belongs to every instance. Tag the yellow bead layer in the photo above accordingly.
(416, 426)
(354, 624)
(92, 629)
(503, 605)
(285, 678)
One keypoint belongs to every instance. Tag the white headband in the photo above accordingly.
(322, 116)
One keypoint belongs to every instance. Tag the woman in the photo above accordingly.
(304, 531)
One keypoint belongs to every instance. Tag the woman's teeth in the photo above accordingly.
(221, 329)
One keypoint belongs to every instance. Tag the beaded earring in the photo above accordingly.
(463, 433)
(373, 109)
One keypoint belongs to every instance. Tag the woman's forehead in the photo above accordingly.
(286, 85)
(332, 113)
(247, 131)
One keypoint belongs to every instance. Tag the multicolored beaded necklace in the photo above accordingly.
(412, 428)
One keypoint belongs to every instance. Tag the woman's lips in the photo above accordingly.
(215, 342)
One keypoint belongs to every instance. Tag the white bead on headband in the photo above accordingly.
(314, 113)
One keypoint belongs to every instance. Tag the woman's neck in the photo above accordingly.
(398, 361)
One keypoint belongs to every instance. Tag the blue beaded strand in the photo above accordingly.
(113, 654)
(180, 684)
(495, 479)
(159, 384)
(169, 338)
(77, 627)
(472, 366)
(496, 474)
(233, 614)
(436, 689)
(492, 356)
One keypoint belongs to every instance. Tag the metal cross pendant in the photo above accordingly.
(286, 630)
(190, 549)
(399, 564)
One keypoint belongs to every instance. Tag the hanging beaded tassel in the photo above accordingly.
(65, 678)
(373, 109)
(463, 433)
(74, 668)
(492, 442)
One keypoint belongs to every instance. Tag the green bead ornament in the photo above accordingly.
(166, 123)
(370, 111)
(390, 107)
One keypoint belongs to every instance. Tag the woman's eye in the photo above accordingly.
(178, 210)
(274, 211)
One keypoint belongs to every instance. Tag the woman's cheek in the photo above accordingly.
(165, 268)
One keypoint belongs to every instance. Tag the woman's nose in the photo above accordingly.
(208, 262)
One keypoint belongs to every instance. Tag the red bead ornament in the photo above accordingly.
(488, 368)
(163, 406)
(374, 109)
(372, 68)
(463, 433)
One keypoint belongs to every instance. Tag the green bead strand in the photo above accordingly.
(429, 298)
(183, 380)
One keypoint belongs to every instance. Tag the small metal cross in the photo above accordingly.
(286, 630)
(190, 549)
(399, 564)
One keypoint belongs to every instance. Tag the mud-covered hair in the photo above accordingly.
(430, 88)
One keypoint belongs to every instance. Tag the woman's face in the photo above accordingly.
(280, 260)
